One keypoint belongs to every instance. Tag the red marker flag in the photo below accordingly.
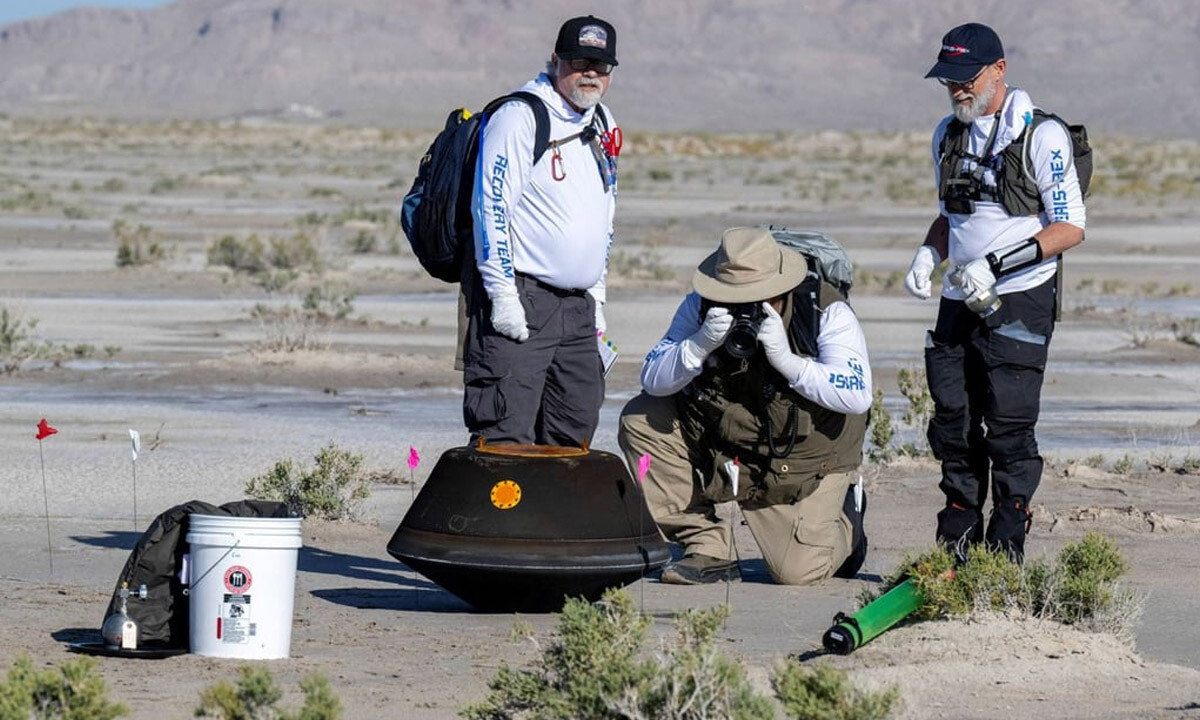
(414, 458)
(44, 430)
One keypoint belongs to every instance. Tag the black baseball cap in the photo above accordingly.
(587, 37)
(965, 51)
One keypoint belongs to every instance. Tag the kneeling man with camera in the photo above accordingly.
(758, 393)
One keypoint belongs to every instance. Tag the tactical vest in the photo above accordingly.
(1016, 188)
(784, 442)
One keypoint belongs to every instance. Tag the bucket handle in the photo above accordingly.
(210, 567)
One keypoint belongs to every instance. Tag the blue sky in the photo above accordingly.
(13, 10)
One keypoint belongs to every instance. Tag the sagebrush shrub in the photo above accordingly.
(74, 690)
(1079, 588)
(255, 695)
(331, 490)
(137, 246)
(882, 433)
(1088, 570)
(595, 669)
(826, 693)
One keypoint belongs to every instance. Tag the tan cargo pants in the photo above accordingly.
(802, 543)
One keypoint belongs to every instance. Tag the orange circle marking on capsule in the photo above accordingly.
(506, 494)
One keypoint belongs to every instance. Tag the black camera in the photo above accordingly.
(962, 191)
(959, 194)
(742, 339)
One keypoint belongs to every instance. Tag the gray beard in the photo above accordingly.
(971, 111)
(584, 96)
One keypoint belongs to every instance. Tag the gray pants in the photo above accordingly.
(802, 543)
(546, 390)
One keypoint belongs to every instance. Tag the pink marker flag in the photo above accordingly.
(643, 466)
(414, 458)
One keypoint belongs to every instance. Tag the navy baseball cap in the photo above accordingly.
(965, 51)
(587, 37)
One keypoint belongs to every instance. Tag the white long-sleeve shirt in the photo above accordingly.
(990, 227)
(839, 378)
(557, 231)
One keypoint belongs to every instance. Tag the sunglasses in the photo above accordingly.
(967, 85)
(584, 64)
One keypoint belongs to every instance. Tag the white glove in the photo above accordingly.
(601, 323)
(917, 280)
(772, 335)
(508, 315)
(976, 277)
(709, 337)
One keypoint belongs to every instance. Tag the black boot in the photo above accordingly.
(855, 508)
(1007, 527)
(958, 528)
(699, 570)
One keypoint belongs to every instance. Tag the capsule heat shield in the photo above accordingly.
(521, 527)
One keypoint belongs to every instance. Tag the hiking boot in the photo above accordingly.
(855, 508)
(1007, 527)
(958, 528)
(699, 570)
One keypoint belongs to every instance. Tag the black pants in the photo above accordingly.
(546, 390)
(985, 376)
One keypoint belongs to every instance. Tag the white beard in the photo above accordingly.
(969, 112)
(586, 93)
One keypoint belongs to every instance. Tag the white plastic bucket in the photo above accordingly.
(243, 585)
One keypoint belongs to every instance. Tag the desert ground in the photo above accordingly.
(339, 337)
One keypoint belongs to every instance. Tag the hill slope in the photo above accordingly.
(1121, 66)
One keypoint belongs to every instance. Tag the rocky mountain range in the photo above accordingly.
(1122, 66)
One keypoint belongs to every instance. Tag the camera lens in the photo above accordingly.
(742, 340)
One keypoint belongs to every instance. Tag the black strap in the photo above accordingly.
(789, 429)
(957, 127)
(975, 176)
(541, 141)
(590, 133)
(590, 136)
(541, 117)
(987, 148)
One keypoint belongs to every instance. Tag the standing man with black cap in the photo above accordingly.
(532, 370)
(1010, 204)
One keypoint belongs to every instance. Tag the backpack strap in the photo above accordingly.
(1039, 116)
(954, 128)
(541, 118)
(597, 127)
(602, 114)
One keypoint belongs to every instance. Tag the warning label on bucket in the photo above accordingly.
(234, 625)
(238, 579)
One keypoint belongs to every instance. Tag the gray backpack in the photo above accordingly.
(828, 255)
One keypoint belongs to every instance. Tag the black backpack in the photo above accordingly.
(1018, 189)
(436, 215)
(1081, 149)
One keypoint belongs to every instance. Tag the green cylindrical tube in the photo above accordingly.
(851, 632)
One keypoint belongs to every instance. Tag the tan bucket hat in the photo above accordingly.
(749, 266)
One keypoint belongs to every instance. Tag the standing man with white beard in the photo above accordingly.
(532, 371)
(1010, 205)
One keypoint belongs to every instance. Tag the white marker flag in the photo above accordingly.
(732, 470)
(136, 440)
